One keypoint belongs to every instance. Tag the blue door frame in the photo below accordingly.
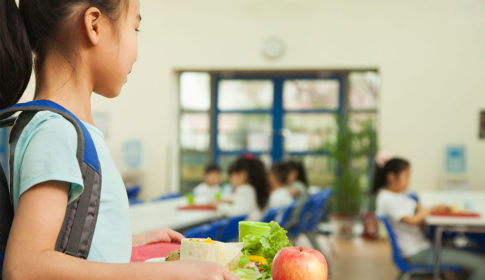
(277, 112)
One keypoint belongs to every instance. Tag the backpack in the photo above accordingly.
(77, 230)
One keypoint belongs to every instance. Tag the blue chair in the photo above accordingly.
(319, 209)
(168, 196)
(135, 201)
(216, 229)
(231, 230)
(304, 218)
(198, 232)
(286, 216)
(408, 270)
(413, 196)
(271, 215)
(133, 191)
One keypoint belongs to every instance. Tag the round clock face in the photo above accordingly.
(273, 48)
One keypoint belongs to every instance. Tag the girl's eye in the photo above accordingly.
(137, 29)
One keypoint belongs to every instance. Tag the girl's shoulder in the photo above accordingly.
(47, 131)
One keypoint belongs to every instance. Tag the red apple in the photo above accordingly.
(298, 263)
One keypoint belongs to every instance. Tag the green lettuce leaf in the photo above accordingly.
(266, 245)
(247, 274)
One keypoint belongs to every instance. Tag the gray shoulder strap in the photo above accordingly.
(77, 230)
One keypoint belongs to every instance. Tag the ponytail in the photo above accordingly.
(15, 54)
(395, 166)
(257, 177)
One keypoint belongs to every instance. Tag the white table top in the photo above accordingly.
(455, 221)
(151, 215)
(463, 199)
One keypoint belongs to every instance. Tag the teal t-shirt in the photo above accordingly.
(46, 151)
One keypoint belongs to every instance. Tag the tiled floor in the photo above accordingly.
(358, 259)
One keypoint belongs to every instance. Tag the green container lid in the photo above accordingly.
(255, 228)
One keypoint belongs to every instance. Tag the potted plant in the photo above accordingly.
(352, 154)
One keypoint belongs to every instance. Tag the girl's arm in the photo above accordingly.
(421, 214)
(30, 251)
(157, 235)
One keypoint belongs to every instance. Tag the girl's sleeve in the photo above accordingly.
(50, 155)
(242, 203)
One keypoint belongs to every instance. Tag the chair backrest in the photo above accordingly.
(133, 191)
(271, 214)
(168, 196)
(319, 207)
(231, 230)
(198, 231)
(305, 217)
(285, 218)
(396, 252)
(135, 201)
(216, 228)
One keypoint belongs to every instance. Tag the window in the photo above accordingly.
(276, 116)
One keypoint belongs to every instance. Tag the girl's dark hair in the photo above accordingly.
(300, 168)
(257, 177)
(281, 172)
(39, 26)
(395, 166)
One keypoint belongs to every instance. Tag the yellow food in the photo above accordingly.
(258, 259)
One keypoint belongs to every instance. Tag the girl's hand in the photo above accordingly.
(195, 270)
(157, 235)
(440, 209)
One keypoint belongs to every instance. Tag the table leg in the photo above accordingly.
(438, 235)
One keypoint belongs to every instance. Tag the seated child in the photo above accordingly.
(206, 192)
(251, 189)
(297, 181)
(406, 215)
(278, 176)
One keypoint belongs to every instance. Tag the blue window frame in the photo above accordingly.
(277, 112)
(228, 125)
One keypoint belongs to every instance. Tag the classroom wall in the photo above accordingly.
(430, 53)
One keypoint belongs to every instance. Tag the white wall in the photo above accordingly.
(430, 53)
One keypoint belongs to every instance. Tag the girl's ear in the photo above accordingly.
(92, 24)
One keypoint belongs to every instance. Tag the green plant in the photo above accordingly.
(352, 154)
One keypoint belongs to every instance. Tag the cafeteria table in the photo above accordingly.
(168, 213)
(452, 224)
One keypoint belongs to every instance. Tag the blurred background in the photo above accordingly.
(289, 79)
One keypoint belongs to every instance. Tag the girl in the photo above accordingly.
(249, 179)
(297, 181)
(80, 47)
(278, 176)
(406, 215)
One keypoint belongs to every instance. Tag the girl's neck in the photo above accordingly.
(393, 189)
(69, 88)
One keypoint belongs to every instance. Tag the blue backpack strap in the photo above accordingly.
(81, 215)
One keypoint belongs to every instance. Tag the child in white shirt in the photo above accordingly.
(406, 216)
(207, 191)
(280, 195)
(251, 189)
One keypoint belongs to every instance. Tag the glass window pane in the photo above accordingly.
(319, 170)
(244, 132)
(361, 121)
(311, 94)
(364, 89)
(192, 169)
(194, 131)
(245, 94)
(307, 132)
(195, 91)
